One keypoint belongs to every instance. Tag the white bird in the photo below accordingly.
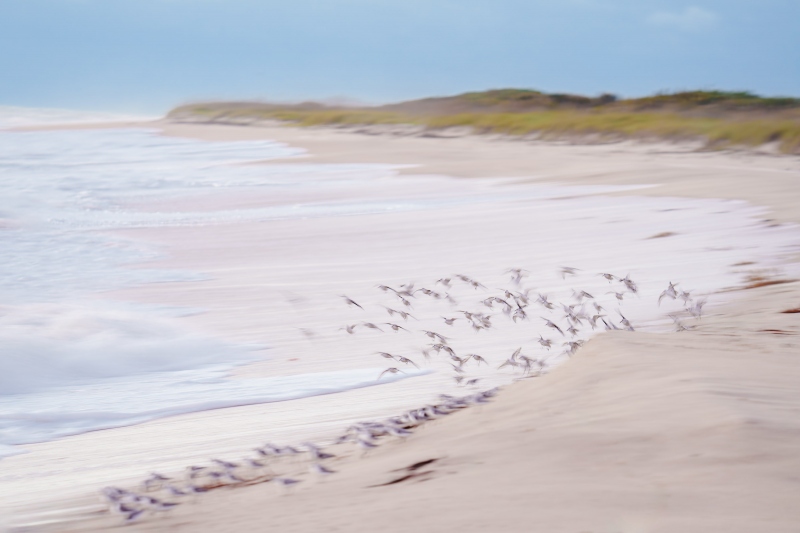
(433, 335)
(625, 322)
(509, 362)
(545, 342)
(477, 358)
(285, 482)
(568, 271)
(631, 286)
(317, 468)
(609, 277)
(670, 292)
(550, 324)
(697, 309)
(542, 300)
(517, 274)
(406, 360)
(391, 370)
(351, 302)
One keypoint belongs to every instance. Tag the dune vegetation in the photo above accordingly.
(717, 119)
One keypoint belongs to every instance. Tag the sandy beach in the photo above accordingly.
(646, 431)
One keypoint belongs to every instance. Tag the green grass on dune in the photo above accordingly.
(342, 117)
(721, 118)
(718, 133)
(731, 99)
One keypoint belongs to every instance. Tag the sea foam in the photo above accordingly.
(48, 345)
(16, 117)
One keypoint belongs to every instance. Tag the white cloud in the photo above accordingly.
(692, 18)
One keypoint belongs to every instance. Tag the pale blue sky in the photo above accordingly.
(149, 55)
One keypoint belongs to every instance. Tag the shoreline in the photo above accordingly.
(487, 159)
(728, 174)
(491, 156)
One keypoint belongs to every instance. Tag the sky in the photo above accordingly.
(148, 56)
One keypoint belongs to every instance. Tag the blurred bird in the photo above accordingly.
(517, 274)
(435, 336)
(567, 271)
(407, 361)
(351, 302)
(545, 342)
(629, 284)
(550, 324)
(668, 293)
(391, 370)
(317, 468)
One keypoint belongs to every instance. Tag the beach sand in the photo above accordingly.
(639, 432)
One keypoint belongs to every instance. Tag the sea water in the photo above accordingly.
(71, 363)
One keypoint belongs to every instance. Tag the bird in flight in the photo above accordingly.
(391, 370)
(545, 342)
(406, 360)
(669, 292)
(433, 335)
(550, 324)
(609, 277)
(568, 271)
(350, 301)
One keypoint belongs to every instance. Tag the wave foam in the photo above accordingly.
(55, 345)
(16, 117)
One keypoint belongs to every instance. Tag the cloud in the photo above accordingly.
(692, 18)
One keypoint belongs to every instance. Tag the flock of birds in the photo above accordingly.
(271, 463)
(567, 323)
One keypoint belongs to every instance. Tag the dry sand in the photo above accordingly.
(679, 169)
(639, 432)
